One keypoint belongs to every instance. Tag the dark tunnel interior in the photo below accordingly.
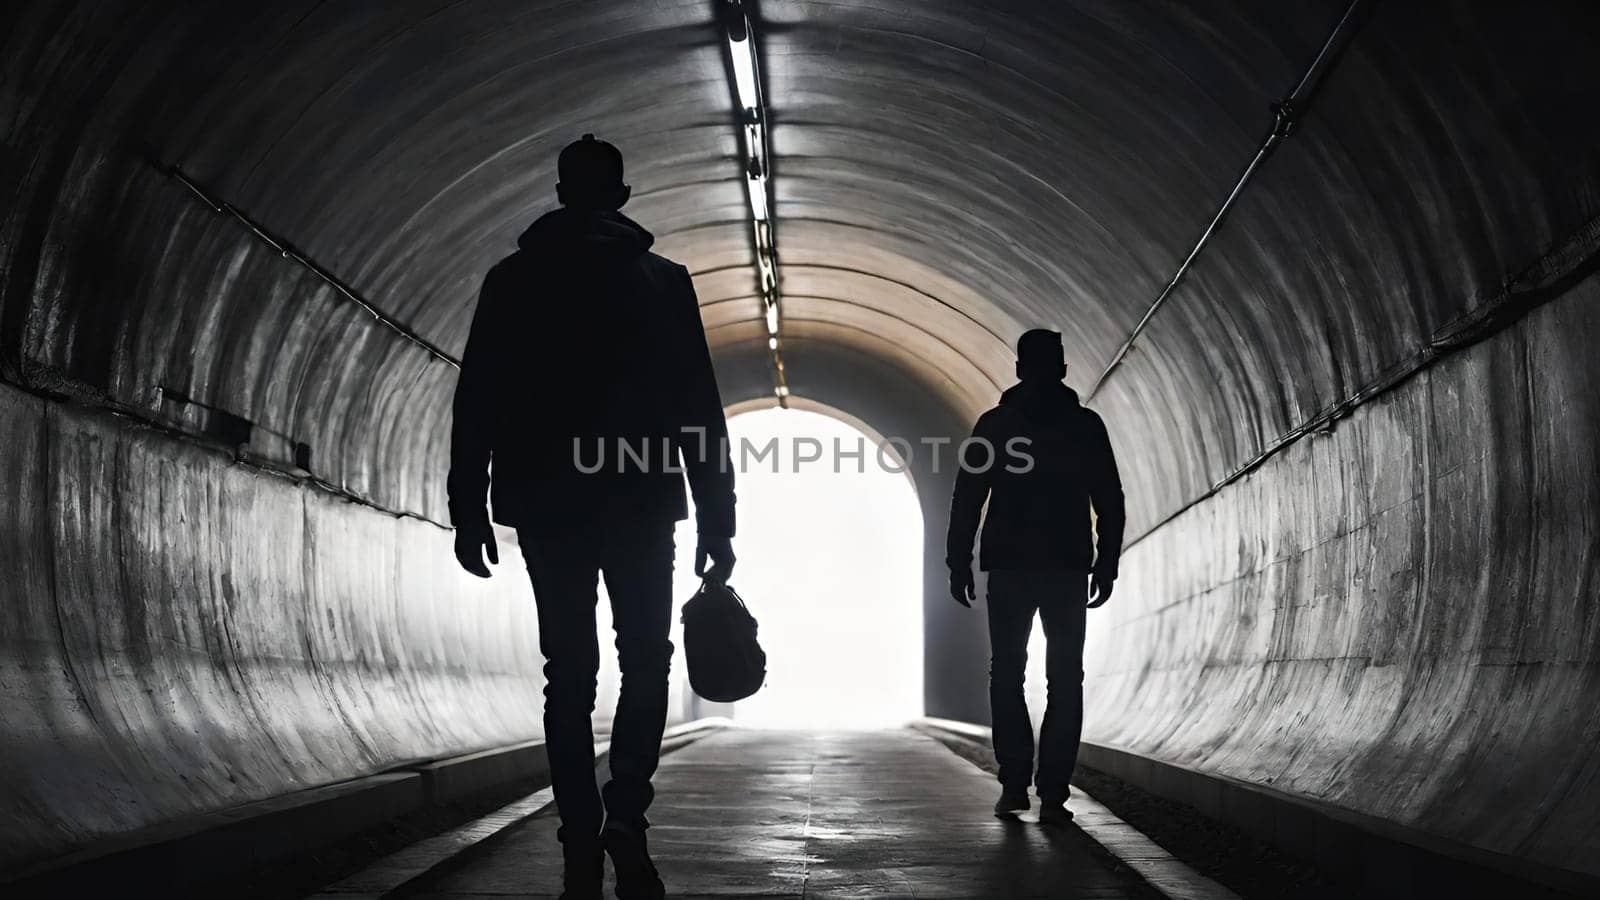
(241, 244)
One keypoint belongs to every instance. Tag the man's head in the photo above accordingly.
(1039, 356)
(591, 176)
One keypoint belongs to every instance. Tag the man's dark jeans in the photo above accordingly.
(1058, 595)
(637, 563)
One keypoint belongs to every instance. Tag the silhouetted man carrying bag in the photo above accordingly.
(587, 383)
(1041, 461)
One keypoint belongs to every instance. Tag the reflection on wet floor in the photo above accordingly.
(749, 813)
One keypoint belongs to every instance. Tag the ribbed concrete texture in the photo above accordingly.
(183, 634)
(1399, 617)
(1392, 610)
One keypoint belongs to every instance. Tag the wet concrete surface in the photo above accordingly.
(748, 813)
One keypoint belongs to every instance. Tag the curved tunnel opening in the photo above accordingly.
(830, 560)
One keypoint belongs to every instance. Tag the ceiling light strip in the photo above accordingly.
(750, 112)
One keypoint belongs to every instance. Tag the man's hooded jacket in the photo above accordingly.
(588, 386)
(1041, 460)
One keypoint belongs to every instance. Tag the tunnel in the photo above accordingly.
(1327, 271)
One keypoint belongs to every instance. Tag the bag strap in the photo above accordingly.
(727, 587)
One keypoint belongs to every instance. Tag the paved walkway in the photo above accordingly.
(747, 813)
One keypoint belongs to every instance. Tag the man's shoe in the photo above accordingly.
(1054, 813)
(637, 878)
(1012, 801)
(583, 873)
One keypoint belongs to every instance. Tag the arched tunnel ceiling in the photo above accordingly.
(1385, 619)
(947, 174)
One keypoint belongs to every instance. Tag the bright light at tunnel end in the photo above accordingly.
(828, 629)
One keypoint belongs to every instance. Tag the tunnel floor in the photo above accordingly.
(817, 814)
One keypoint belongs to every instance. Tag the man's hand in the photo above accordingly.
(1100, 590)
(720, 551)
(471, 542)
(962, 587)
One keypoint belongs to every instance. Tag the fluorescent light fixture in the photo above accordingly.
(758, 198)
(747, 87)
(743, 53)
(755, 150)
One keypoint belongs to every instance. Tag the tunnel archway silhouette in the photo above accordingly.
(1359, 441)
(826, 376)
(830, 562)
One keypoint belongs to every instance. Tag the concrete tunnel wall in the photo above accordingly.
(183, 633)
(1397, 617)
(1393, 615)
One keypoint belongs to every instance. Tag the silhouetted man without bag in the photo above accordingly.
(587, 384)
(1042, 461)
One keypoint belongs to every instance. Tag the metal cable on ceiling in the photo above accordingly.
(288, 251)
(1286, 114)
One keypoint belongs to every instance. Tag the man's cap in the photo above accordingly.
(1040, 346)
(589, 164)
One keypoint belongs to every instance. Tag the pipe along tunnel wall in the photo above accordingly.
(1393, 614)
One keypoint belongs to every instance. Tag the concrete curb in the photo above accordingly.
(1382, 858)
(447, 849)
(238, 839)
(1379, 856)
(448, 780)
